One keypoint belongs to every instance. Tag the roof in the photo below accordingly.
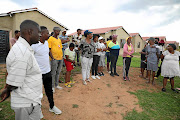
(99, 30)
(169, 42)
(31, 9)
(133, 34)
(160, 37)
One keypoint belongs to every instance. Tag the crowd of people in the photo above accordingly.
(37, 58)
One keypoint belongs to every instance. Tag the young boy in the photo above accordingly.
(69, 61)
(102, 56)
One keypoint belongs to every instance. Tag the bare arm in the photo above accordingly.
(50, 54)
(6, 92)
(65, 41)
(67, 58)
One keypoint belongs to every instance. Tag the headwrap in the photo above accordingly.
(128, 38)
(173, 46)
(114, 36)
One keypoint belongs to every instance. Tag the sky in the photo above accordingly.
(147, 17)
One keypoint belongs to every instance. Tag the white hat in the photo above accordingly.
(63, 30)
(100, 38)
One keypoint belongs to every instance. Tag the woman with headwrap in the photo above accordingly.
(114, 53)
(128, 50)
(152, 59)
(170, 66)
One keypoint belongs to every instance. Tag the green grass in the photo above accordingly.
(135, 62)
(75, 106)
(6, 113)
(157, 105)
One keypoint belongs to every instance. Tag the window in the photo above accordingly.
(123, 41)
(138, 45)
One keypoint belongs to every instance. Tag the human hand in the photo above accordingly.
(4, 95)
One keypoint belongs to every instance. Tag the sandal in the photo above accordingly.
(163, 90)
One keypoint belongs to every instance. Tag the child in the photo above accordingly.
(143, 63)
(69, 61)
(102, 56)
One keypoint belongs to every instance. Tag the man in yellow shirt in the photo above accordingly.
(56, 54)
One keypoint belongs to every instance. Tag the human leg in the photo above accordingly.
(47, 82)
(60, 62)
(53, 71)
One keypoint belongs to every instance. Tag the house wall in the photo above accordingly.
(135, 40)
(35, 16)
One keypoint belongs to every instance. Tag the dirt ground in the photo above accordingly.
(104, 99)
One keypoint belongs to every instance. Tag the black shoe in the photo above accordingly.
(99, 74)
(78, 64)
(102, 74)
(116, 74)
(124, 78)
(112, 74)
(174, 90)
(163, 90)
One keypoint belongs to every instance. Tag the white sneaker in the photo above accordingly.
(84, 82)
(98, 77)
(58, 87)
(88, 80)
(109, 72)
(55, 110)
(53, 90)
(93, 77)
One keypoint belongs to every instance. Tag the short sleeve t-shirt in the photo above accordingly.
(143, 56)
(114, 48)
(129, 50)
(65, 45)
(56, 47)
(70, 53)
(87, 50)
(107, 43)
(152, 54)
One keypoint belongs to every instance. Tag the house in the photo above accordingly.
(137, 42)
(156, 37)
(9, 22)
(108, 31)
(172, 42)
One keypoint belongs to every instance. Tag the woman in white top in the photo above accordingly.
(102, 56)
(96, 57)
(170, 66)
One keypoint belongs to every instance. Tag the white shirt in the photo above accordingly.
(24, 73)
(102, 46)
(41, 53)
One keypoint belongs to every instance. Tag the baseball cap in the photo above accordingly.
(64, 30)
(87, 32)
(100, 38)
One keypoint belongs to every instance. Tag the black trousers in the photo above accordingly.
(113, 59)
(47, 82)
(95, 64)
(126, 66)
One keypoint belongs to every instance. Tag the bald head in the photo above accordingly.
(30, 31)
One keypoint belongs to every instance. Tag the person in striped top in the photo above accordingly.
(24, 79)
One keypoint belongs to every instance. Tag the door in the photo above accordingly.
(4, 45)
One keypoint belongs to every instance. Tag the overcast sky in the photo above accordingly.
(147, 17)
